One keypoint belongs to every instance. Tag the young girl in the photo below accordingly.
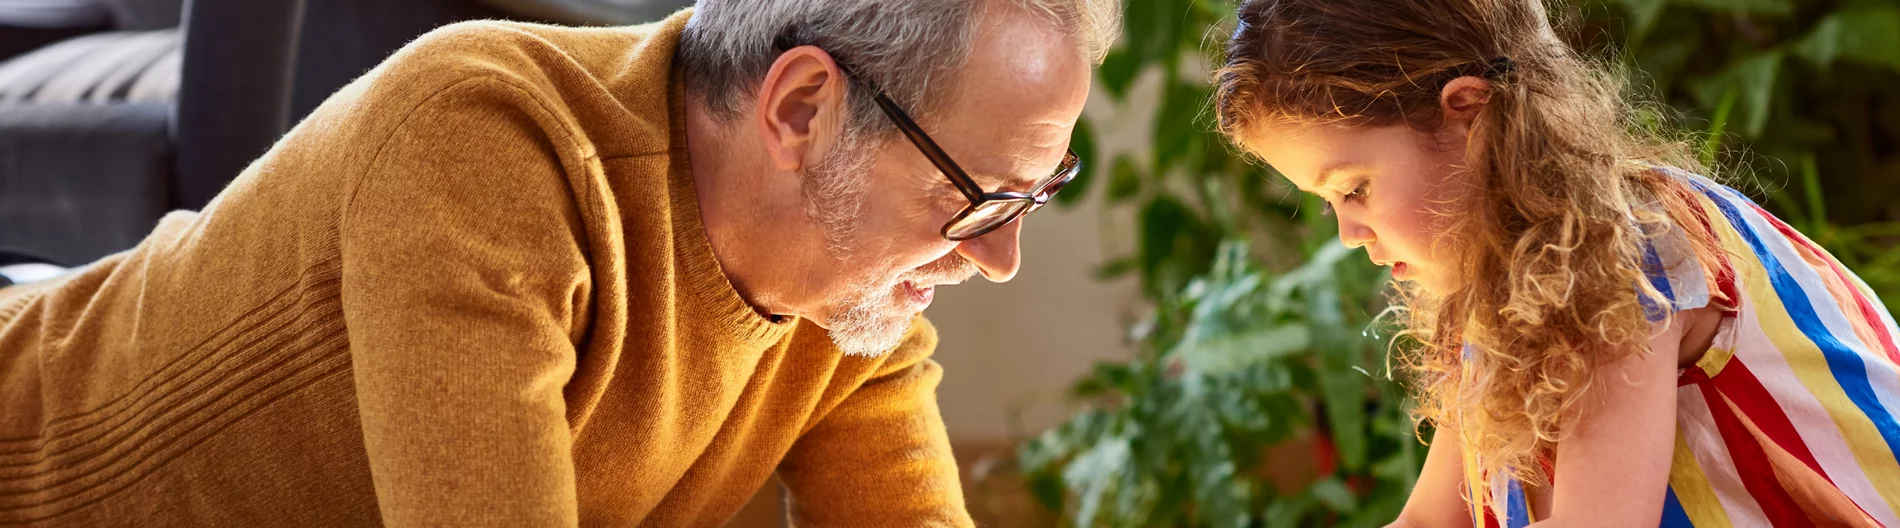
(1608, 339)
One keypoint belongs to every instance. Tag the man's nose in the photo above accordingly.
(996, 253)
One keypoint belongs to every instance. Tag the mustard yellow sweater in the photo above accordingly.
(471, 290)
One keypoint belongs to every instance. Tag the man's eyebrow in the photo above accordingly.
(995, 181)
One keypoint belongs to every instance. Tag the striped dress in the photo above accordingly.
(1789, 419)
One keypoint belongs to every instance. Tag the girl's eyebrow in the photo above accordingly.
(1327, 172)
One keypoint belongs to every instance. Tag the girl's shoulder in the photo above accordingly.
(1671, 219)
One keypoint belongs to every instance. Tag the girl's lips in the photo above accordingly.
(1398, 269)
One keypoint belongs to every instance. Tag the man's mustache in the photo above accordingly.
(952, 270)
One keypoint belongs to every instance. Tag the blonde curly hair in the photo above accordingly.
(1566, 193)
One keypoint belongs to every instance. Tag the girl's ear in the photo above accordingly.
(1463, 98)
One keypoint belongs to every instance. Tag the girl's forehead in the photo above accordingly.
(1303, 152)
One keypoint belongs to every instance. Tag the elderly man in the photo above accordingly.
(525, 275)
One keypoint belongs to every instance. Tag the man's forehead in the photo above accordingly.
(1007, 152)
(1012, 173)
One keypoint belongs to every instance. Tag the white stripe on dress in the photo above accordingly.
(1697, 428)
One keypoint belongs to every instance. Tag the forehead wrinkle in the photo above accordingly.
(1016, 166)
(1015, 171)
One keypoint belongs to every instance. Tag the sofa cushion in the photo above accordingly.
(54, 13)
(111, 67)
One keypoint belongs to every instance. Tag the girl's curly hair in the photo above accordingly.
(1549, 243)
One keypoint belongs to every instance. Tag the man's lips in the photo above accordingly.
(920, 294)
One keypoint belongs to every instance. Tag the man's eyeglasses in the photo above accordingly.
(987, 210)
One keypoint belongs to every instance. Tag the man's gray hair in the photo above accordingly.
(904, 47)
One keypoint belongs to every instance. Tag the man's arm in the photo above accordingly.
(460, 268)
(881, 458)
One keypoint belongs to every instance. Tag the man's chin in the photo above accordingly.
(870, 336)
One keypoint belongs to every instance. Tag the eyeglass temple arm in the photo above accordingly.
(930, 149)
(916, 134)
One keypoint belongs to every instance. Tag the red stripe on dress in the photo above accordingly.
(1867, 312)
(1693, 375)
(1742, 388)
(1751, 464)
(1725, 272)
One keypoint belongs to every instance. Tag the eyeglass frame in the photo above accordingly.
(1039, 194)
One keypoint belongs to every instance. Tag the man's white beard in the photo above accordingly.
(865, 323)
(868, 322)
(862, 324)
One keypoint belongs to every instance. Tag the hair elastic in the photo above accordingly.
(1501, 66)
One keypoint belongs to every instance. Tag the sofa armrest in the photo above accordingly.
(82, 180)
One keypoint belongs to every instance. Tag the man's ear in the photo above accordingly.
(1463, 98)
(803, 93)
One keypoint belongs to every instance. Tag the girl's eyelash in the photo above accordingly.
(1358, 193)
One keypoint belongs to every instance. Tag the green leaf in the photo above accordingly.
(1333, 493)
(1753, 80)
(1107, 377)
(1093, 475)
(1047, 490)
(1718, 127)
(1864, 34)
(1253, 346)
(1082, 141)
(1116, 268)
(1169, 232)
(1643, 15)
(1176, 128)
(1345, 393)
(1153, 28)
(1742, 7)
(1664, 55)
(1811, 186)
(1287, 512)
(1118, 71)
(1124, 179)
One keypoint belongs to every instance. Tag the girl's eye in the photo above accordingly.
(1358, 193)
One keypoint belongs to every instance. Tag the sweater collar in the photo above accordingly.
(700, 274)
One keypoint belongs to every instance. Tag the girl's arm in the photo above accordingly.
(1613, 467)
(1437, 499)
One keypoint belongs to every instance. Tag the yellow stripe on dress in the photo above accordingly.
(1692, 485)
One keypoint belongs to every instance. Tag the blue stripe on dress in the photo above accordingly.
(1659, 279)
(1848, 369)
(1673, 515)
(1516, 508)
